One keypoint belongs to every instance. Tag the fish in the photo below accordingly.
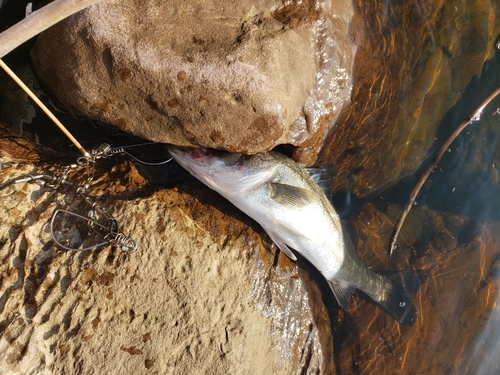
(292, 209)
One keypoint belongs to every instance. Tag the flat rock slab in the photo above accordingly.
(199, 296)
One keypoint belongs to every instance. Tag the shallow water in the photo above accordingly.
(453, 233)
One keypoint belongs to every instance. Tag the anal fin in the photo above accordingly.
(342, 292)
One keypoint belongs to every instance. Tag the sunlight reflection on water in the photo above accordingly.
(452, 231)
(484, 354)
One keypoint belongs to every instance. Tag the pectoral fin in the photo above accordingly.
(291, 195)
(281, 245)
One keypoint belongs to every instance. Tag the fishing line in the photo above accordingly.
(105, 150)
(113, 236)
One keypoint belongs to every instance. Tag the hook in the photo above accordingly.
(113, 236)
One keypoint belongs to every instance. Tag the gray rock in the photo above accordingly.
(239, 76)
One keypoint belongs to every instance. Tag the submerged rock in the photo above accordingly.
(200, 295)
(456, 330)
(413, 63)
(238, 76)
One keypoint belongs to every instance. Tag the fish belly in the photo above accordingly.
(307, 230)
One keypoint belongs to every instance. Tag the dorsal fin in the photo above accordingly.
(350, 232)
(324, 176)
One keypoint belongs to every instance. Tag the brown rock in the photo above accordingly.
(240, 76)
(199, 296)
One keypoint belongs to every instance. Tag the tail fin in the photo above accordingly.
(399, 300)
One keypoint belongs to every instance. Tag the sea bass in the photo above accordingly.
(283, 198)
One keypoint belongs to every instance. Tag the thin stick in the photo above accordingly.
(38, 21)
(31, 26)
(44, 108)
(474, 117)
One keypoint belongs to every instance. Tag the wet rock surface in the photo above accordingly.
(201, 295)
(232, 75)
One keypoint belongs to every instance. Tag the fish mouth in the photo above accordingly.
(196, 153)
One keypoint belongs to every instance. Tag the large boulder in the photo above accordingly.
(236, 75)
(246, 77)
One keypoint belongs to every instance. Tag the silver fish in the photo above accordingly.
(283, 198)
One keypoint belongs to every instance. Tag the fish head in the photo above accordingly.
(227, 173)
